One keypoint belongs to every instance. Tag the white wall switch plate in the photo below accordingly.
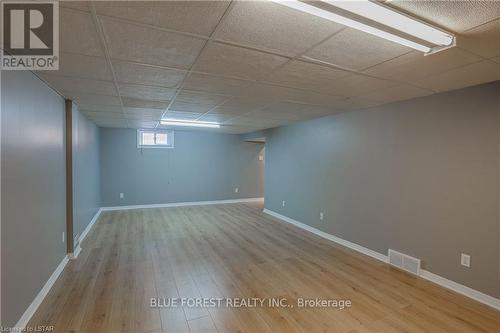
(122, 195)
(63, 238)
(236, 190)
(321, 216)
(283, 203)
(465, 260)
(261, 158)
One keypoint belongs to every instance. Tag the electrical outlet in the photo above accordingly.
(122, 195)
(465, 260)
(321, 216)
(236, 190)
(63, 238)
(283, 203)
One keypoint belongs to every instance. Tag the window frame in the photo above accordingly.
(170, 138)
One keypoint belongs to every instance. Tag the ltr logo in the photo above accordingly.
(30, 35)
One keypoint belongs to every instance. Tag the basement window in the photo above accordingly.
(155, 139)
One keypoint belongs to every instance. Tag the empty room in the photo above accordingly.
(250, 166)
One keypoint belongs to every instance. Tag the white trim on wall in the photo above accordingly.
(452, 285)
(181, 204)
(89, 226)
(30, 311)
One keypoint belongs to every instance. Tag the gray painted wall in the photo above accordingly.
(86, 182)
(202, 166)
(33, 169)
(420, 177)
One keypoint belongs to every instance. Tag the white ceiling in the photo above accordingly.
(255, 64)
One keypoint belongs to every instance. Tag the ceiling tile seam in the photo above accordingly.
(145, 64)
(480, 25)
(251, 111)
(473, 53)
(453, 69)
(290, 60)
(207, 42)
(102, 38)
(251, 48)
(80, 78)
(396, 82)
(385, 61)
(152, 27)
(63, 5)
(82, 55)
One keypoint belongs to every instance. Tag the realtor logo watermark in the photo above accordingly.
(30, 35)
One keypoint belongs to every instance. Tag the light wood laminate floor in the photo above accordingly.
(236, 251)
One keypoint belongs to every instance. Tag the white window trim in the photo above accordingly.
(169, 133)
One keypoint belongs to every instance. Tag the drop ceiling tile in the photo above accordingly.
(99, 108)
(142, 124)
(127, 72)
(235, 61)
(188, 96)
(77, 85)
(356, 85)
(146, 92)
(88, 67)
(396, 93)
(92, 99)
(190, 107)
(266, 93)
(357, 103)
(234, 129)
(356, 50)
(199, 17)
(181, 115)
(214, 84)
(301, 74)
(413, 66)
(142, 103)
(270, 26)
(118, 123)
(102, 114)
(483, 40)
(477, 73)
(255, 121)
(77, 33)
(291, 111)
(216, 117)
(312, 97)
(133, 116)
(143, 112)
(240, 105)
(109, 122)
(79, 5)
(456, 16)
(134, 43)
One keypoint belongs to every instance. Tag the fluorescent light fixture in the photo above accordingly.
(189, 123)
(380, 14)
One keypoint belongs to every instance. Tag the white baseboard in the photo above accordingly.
(461, 289)
(89, 226)
(330, 237)
(181, 204)
(30, 311)
(457, 287)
